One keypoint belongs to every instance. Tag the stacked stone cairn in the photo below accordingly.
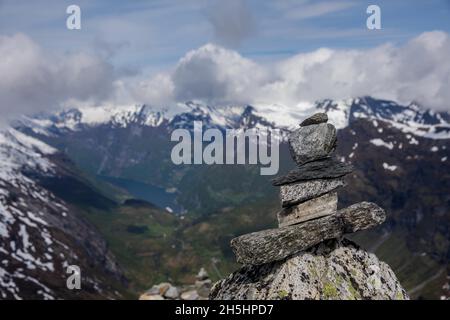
(308, 194)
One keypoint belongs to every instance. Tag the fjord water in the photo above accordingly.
(143, 191)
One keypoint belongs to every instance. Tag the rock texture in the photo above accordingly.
(166, 291)
(295, 193)
(315, 208)
(275, 244)
(312, 142)
(321, 169)
(332, 270)
(315, 119)
(300, 259)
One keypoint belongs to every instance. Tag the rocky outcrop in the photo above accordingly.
(306, 257)
(332, 270)
(166, 291)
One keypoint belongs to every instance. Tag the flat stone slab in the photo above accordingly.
(295, 193)
(315, 119)
(312, 209)
(276, 244)
(322, 169)
(312, 142)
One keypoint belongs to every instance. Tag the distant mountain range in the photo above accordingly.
(77, 168)
(410, 118)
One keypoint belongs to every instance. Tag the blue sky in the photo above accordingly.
(155, 34)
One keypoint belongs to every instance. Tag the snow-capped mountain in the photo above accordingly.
(411, 118)
(40, 234)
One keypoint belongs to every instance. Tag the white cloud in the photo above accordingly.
(157, 90)
(418, 70)
(33, 80)
(216, 74)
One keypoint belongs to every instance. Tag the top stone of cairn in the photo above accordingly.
(313, 141)
(315, 119)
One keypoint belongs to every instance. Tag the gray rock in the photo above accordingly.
(190, 295)
(276, 244)
(203, 287)
(158, 289)
(294, 193)
(312, 142)
(153, 290)
(315, 119)
(203, 283)
(163, 287)
(335, 269)
(326, 168)
(147, 296)
(172, 293)
(311, 209)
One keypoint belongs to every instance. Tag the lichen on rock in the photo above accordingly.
(333, 270)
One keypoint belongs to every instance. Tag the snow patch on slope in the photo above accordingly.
(380, 143)
(19, 152)
(389, 167)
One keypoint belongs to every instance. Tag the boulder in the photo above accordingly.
(331, 270)
(190, 295)
(172, 293)
(159, 289)
(203, 287)
(163, 287)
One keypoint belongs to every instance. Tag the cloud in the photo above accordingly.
(157, 90)
(306, 9)
(232, 21)
(418, 70)
(33, 80)
(216, 74)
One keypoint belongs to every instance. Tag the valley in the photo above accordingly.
(400, 154)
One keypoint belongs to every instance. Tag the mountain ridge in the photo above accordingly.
(409, 118)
